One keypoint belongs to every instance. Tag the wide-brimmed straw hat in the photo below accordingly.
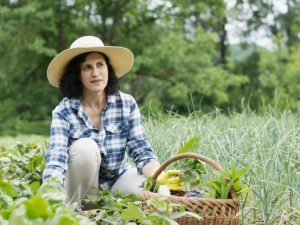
(120, 58)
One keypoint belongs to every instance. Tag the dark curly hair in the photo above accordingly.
(70, 83)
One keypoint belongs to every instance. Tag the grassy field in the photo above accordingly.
(269, 143)
(10, 142)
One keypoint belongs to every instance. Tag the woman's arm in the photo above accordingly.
(56, 157)
(150, 168)
(139, 148)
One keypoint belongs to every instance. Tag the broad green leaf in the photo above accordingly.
(34, 187)
(68, 220)
(132, 213)
(159, 205)
(164, 218)
(8, 189)
(226, 190)
(244, 170)
(191, 174)
(190, 146)
(37, 207)
(52, 191)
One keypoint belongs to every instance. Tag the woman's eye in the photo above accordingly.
(85, 68)
(99, 64)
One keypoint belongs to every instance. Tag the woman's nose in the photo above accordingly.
(96, 71)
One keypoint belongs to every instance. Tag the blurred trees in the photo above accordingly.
(278, 19)
(273, 74)
(31, 34)
(183, 60)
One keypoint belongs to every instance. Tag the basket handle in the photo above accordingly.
(181, 156)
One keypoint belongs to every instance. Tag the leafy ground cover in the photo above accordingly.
(269, 143)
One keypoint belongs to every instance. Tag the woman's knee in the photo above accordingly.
(83, 169)
(84, 150)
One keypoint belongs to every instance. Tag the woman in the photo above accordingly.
(95, 123)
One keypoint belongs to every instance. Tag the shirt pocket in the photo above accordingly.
(116, 135)
(116, 128)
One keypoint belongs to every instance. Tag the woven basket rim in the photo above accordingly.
(191, 198)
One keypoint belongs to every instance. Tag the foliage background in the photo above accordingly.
(183, 59)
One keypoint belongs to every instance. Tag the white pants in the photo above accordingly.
(82, 176)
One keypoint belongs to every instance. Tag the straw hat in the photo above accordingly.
(120, 58)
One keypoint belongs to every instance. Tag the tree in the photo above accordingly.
(31, 34)
(185, 74)
(266, 16)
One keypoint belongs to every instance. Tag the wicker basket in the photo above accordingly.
(213, 211)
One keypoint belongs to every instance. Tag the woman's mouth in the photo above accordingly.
(96, 81)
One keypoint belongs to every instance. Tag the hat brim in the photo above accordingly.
(120, 58)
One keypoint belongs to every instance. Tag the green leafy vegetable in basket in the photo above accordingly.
(191, 174)
(221, 186)
(147, 184)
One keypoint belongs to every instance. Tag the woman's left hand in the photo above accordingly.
(150, 168)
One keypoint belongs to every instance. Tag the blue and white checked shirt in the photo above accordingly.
(121, 129)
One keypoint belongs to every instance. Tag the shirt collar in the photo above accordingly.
(111, 99)
(75, 102)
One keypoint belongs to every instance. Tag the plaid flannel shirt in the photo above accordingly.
(121, 129)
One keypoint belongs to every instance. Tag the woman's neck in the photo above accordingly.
(93, 100)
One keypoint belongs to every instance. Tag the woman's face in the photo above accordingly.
(94, 73)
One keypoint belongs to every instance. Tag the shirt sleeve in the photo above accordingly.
(138, 146)
(56, 157)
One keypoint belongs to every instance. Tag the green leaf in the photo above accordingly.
(215, 185)
(191, 174)
(190, 146)
(132, 213)
(159, 205)
(164, 218)
(8, 189)
(146, 185)
(225, 190)
(37, 207)
(34, 187)
(52, 191)
(157, 184)
(68, 220)
(229, 179)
